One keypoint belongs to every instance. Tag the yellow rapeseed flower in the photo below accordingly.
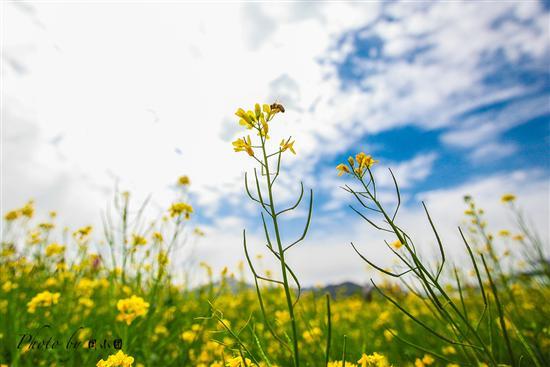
(188, 336)
(86, 302)
(342, 168)
(364, 162)
(504, 233)
(258, 120)
(507, 198)
(8, 286)
(245, 120)
(157, 236)
(138, 240)
(54, 249)
(46, 226)
(34, 237)
(238, 362)
(86, 286)
(162, 258)
(264, 127)
(131, 308)
(287, 145)
(12, 215)
(425, 361)
(176, 209)
(117, 360)
(43, 299)
(449, 350)
(373, 360)
(243, 145)
(340, 364)
(389, 334)
(82, 233)
(311, 336)
(28, 209)
(518, 237)
(396, 244)
(184, 181)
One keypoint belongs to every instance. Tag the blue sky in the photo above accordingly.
(453, 96)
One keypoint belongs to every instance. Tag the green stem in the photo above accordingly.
(430, 280)
(281, 257)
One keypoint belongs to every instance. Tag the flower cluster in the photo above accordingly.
(117, 360)
(373, 360)
(176, 209)
(54, 249)
(26, 211)
(357, 166)
(259, 120)
(44, 299)
(239, 362)
(366, 360)
(508, 198)
(184, 181)
(138, 240)
(82, 233)
(131, 308)
(425, 361)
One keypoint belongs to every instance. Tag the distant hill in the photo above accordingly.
(342, 289)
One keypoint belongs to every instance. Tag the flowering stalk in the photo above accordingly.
(467, 332)
(534, 250)
(258, 120)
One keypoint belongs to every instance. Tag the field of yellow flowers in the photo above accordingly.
(64, 304)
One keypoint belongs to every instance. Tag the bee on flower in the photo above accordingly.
(259, 120)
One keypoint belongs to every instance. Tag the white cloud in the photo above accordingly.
(486, 127)
(489, 152)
